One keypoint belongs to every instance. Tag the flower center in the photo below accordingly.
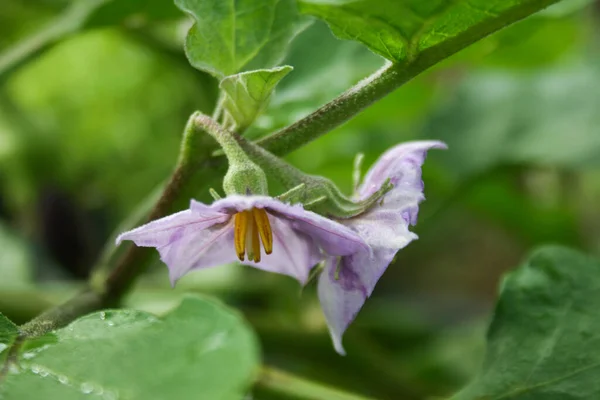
(251, 227)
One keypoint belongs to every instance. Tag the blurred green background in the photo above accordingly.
(91, 126)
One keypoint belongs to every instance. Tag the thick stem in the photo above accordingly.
(388, 79)
(294, 387)
(338, 111)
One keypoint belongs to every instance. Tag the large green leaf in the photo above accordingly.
(248, 93)
(545, 118)
(401, 30)
(235, 35)
(200, 350)
(543, 342)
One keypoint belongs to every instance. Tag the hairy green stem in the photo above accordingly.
(338, 111)
(83, 303)
(386, 80)
(294, 387)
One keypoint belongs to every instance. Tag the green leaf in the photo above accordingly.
(402, 30)
(247, 94)
(232, 36)
(546, 117)
(543, 342)
(200, 350)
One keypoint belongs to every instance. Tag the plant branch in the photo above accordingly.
(386, 80)
(194, 155)
(279, 382)
(83, 303)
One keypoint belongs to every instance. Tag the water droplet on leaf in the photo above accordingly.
(87, 388)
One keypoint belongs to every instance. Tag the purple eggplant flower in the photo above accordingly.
(239, 228)
(347, 281)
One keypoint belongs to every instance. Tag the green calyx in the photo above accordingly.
(243, 176)
(316, 193)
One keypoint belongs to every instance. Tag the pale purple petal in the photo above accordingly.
(160, 232)
(202, 248)
(386, 232)
(202, 237)
(384, 228)
(402, 165)
(331, 236)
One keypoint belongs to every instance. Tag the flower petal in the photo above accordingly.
(197, 249)
(342, 298)
(384, 228)
(202, 237)
(159, 232)
(329, 235)
(402, 165)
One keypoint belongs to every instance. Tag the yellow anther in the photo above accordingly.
(255, 244)
(239, 235)
(251, 227)
(264, 229)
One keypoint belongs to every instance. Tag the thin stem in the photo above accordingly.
(226, 139)
(133, 263)
(273, 380)
(194, 158)
(83, 303)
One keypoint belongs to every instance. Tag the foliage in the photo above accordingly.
(128, 353)
(546, 309)
(228, 37)
(92, 96)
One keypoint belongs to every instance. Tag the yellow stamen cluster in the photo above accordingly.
(251, 227)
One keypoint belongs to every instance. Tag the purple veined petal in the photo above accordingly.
(294, 254)
(386, 231)
(203, 237)
(401, 202)
(402, 164)
(331, 236)
(198, 249)
(160, 232)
